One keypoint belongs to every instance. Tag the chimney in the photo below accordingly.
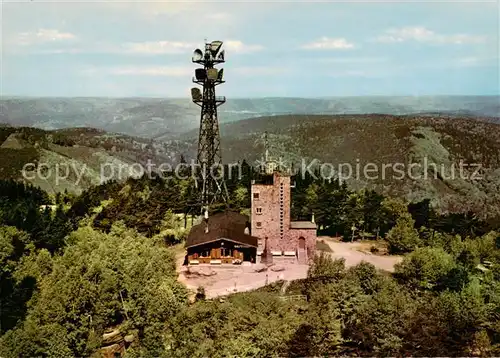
(312, 218)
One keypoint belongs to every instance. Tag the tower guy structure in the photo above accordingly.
(209, 158)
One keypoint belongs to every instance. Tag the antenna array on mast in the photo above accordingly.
(209, 158)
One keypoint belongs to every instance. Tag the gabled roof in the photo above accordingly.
(227, 225)
(302, 225)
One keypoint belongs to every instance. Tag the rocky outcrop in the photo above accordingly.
(114, 343)
(112, 337)
(112, 351)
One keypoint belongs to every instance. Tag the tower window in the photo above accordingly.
(258, 224)
(256, 195)
(259, 210)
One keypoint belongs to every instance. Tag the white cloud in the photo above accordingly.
(474, 61)
(256, 71)
(170, 47)
(137, 48)
(69, 50)
(354, 73)
(43, 36)
(236, 46)
(442, 63)
(422, 34)
(469, 61)
(166, 71)
(152, 8)
(167, 47)
(157, 47)
(350, 60)
(326, 43)
(177, 71)
(145, 48)
(218, 16)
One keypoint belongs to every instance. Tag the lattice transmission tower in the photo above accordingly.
(209, 159)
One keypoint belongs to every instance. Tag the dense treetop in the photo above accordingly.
(74, 267)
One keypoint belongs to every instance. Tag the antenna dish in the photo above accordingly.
(220, 74)
(200, 74)
(215, 47)
(221, 55)
(195, 94)
(212, 74)
(197, 55)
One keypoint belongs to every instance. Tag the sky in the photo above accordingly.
(273, 49)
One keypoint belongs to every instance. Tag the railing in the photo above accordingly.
(201, 81)
(218, 99)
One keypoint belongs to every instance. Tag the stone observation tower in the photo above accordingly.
(271, 199)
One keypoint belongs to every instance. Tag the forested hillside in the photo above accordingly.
(94, 272)
(90, 271)
(436, 145)
(458, 159)
(76, 158)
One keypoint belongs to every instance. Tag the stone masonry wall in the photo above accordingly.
(310, 237)
(274, 216)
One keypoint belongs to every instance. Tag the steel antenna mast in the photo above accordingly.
(209, 158)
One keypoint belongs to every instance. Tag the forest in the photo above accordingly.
(72, 267)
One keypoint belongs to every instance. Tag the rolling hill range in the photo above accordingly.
(166, 118)
(443, 143)
(386, 145)
(81, 156)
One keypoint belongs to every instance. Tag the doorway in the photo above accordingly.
(302, 243)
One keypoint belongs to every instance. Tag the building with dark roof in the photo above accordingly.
(222, 238)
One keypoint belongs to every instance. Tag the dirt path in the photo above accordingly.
(350, 252)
